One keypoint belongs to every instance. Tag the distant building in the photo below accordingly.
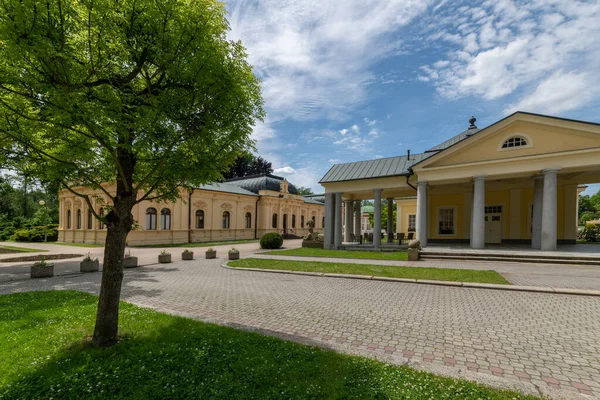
(241, 208)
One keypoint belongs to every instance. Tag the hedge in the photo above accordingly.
(36, 234)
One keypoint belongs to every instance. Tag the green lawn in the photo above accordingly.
(374, 255)
(205, 244)
(45, 354)
(19, 249)
(438, 274)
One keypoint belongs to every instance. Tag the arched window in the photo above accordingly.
(226, 219)
(165, 219)
(90, 219)
(515, 141)
(199, 219)
(248, 219)
(68, 219)
(302, 221)
(274, 224)
(151, 219)
(101, 214)
(78, 219)
(293, 220)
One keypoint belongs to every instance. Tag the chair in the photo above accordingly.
(370, 237)
(400, 237)
(411, 236)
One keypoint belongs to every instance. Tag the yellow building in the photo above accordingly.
(515, 181)
(243, 208)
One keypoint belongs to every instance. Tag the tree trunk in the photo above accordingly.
(119, 223)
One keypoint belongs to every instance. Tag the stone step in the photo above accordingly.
(512, 258)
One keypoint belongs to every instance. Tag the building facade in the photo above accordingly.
(515, 181)
(243, 208)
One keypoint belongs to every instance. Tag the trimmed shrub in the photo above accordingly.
(272, 240)
(36, 234)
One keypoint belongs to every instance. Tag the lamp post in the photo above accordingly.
(43, 204)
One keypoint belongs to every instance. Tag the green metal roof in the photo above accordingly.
(255, 183)
(224, 187)
(381, 167)
(367, 209)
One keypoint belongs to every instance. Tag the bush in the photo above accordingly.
(36, 234)
(271, 240)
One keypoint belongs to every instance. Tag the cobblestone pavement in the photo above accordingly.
(523, 274)
(549, 340)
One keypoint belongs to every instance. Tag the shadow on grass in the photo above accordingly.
(163, 356)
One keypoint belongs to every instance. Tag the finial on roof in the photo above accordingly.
(472, 122)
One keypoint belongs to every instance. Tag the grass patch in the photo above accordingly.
(373, 255)
(438, 274)
(16, 249)
(204, 244)
(45, 354)
(77, 244)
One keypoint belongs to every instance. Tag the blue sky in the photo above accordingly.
(350, 80)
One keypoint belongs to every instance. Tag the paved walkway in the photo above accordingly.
(549, 340)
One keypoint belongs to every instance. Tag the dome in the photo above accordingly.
(255, 183)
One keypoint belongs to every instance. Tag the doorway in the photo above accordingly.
(493, 224)
(285, 224)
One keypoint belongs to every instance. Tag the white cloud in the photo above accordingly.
(355, 128)
(374, 132)
(560, 92)
(370, 122)
(284, 170)
(314, 59)
(521, 49)
(343, 131)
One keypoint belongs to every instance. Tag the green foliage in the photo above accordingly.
(248, 164)
(36, 234)
(149, 94)
(589, 208)
(44, 354)
(384, 220)
(304, 191)
(591, 233)
(271, 240)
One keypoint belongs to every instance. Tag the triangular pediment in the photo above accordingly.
(521, 135)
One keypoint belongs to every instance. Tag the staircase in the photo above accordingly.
(512, 256)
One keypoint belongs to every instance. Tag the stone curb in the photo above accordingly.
(470, 285)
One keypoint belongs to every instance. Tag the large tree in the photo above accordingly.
(247, 164)
(148, 95)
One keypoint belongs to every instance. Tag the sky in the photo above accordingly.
(350, 80)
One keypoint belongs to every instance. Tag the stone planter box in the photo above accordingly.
(413, 254)
(164, 258)
(211, 254)
(187, 255)
(234, 255)
(89, 266)
(45, 271)
(130, 262)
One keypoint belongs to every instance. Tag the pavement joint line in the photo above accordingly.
(470, 285)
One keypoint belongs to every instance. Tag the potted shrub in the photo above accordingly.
(187, 255)
(130, 261)
(42, 269)
(164, 257)
(89, 264)
(234, 254)
(210, 253)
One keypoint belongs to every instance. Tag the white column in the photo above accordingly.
(337, 236)
(357, 216)
(478, 213)
(349, 230)
(329, 215)
(536, 222)
(422, 213)
(549, 210)
(377, 218)
(390, 220)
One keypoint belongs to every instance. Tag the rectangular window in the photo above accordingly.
(412, 222)
(446, 221)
